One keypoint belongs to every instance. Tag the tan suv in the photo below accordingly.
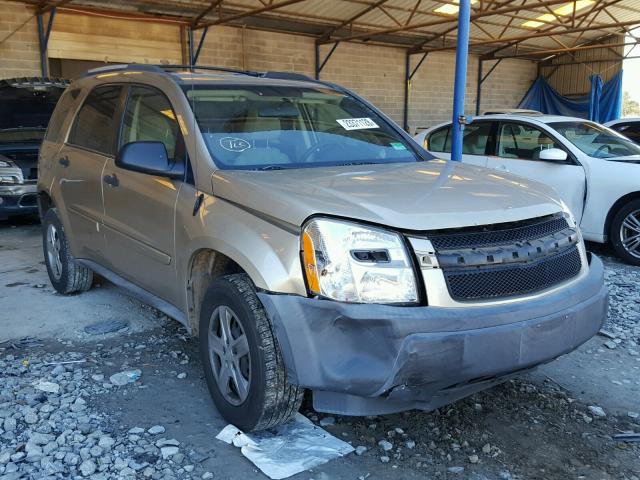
(309, 242)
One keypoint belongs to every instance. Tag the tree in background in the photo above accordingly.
(630, 108)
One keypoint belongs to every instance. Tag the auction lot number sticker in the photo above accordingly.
(357, 123)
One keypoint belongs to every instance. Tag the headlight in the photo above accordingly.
(4, 164)
(11, 179)
(354, 263)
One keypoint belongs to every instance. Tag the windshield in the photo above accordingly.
(595, 140)
(25, 112)
(272, 127)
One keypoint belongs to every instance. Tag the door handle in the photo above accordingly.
(64, 161)
(111, 180)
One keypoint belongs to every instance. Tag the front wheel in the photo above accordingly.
(242, 362)
(65, 273)
(625, 232)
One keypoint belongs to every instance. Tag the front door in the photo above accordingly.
(518, 147)
(90, 144)
(139, 219)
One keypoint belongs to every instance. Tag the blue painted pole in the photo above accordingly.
(460, 84)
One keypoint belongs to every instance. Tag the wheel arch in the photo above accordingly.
(205, 265)
(614, 209)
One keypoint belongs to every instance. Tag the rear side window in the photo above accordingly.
(95, 124)
(474, 139)
(440, 140)
(54, 130)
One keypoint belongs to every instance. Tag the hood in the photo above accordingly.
(418, 196)
(630, 159)
(27, 105)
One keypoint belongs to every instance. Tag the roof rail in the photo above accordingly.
(211, 68)
(119, 67)
(192, 68)
(288, 76)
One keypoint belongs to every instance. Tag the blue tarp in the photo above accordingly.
(603, 103)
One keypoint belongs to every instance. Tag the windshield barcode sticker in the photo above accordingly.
(357, 123)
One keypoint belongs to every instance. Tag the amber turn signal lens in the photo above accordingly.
(309, 262)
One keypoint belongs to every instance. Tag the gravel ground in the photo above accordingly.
(623, 322)
(66, 411)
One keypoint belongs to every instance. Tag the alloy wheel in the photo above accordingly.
(630, 233)
(54, 246)
(229, 355)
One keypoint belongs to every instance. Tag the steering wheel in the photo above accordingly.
(314, 149)
(601, 149)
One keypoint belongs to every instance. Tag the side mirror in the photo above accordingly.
(553, 155)
(150, 158)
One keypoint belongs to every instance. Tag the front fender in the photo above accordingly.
(268, 253)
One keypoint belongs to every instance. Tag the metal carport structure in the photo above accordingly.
(538, 30)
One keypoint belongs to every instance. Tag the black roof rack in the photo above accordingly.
(192, 68)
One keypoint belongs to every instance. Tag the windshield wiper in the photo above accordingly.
(357, 163)
(271, 167)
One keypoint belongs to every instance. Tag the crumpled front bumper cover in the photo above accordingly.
(18, 199)
(367, 359)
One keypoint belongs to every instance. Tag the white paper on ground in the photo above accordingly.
(288, 449)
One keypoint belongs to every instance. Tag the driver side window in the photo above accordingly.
(521, 141)
(149, 117)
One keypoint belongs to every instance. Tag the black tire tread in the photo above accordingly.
(78, 278)
(615, 228)
(281, 399)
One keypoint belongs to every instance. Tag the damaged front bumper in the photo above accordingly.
(374, 359)
(20, 199)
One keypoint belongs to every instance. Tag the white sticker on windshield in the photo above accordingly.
(234, 144)
(357, 123)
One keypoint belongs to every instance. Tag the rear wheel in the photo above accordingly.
(66, 275)
(625, 232)
(242, 361)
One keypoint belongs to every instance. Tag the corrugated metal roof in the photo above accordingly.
(498, 26)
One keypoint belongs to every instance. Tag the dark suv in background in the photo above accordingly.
(26, 104)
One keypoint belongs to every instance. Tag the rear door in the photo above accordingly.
(139, 218)
(91, 142)
(517, 150)
(475, 142)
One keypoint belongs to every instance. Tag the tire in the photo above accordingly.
(66, 275)
(262, 398)
(624, 228)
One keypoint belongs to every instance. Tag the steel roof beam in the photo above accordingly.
(444, 21)
(327, 35)
(267, 8)
(206, 11)
(565, 50)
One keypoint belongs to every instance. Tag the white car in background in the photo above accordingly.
(629, 127)
(595, 170)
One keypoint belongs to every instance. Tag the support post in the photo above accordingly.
(479, 86)
(462, 52)
(320, 65)
(190, 42)
(407, 85)
(194, 59)
(408, 76)
(43, 39)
